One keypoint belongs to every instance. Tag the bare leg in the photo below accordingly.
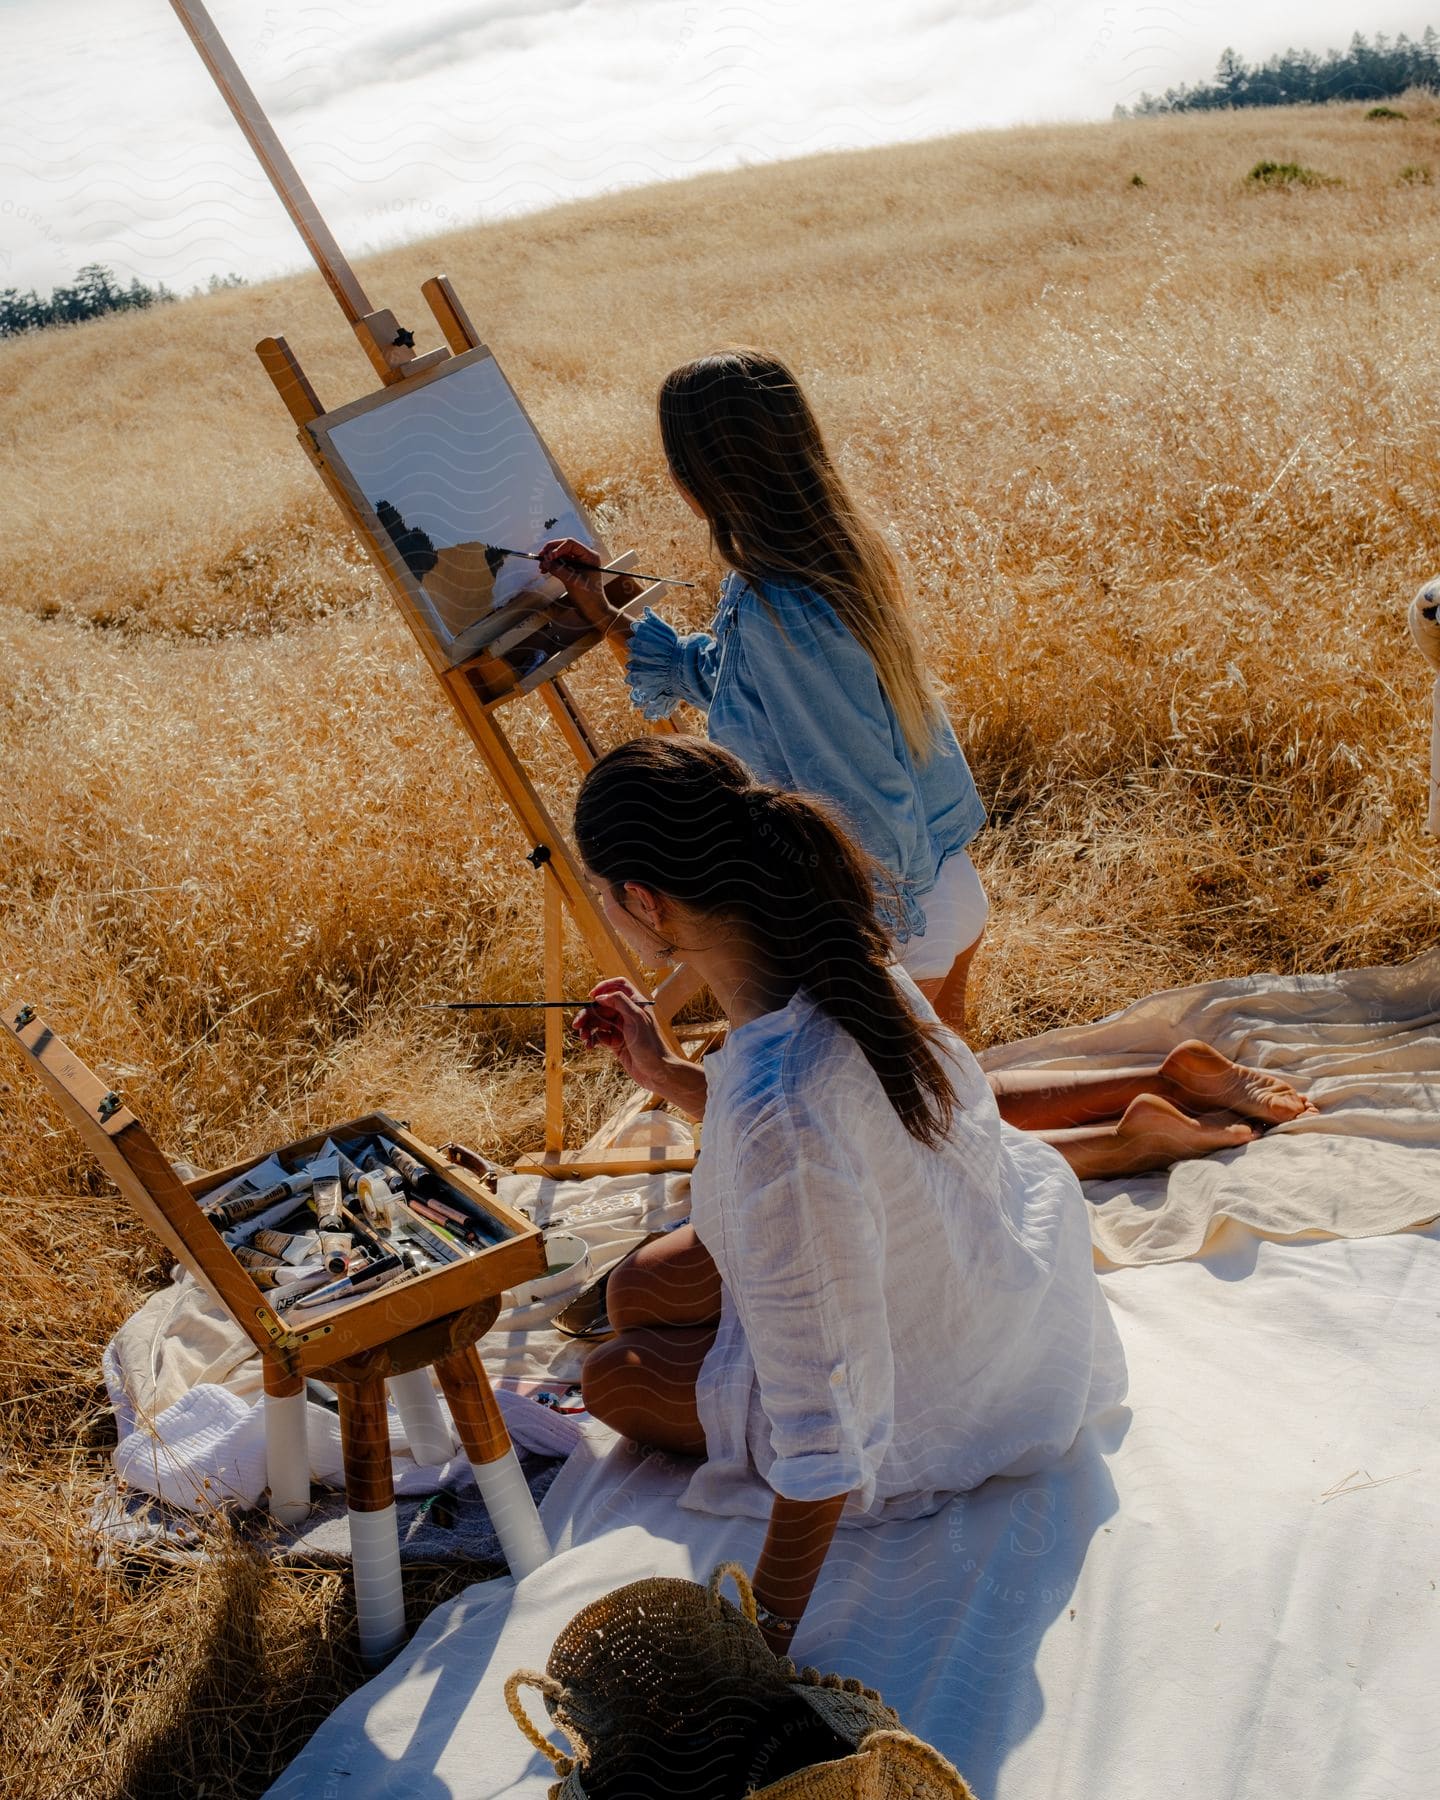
(1151, 1134)
(1206, 1078)
(642, 1384)
(665, 1303)
(1193, 1076)
(672, 1281)
(946, 993)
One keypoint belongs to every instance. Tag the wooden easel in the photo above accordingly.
(470, 685)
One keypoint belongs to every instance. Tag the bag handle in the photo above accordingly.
(552, 1690)
(904, 1747)
(742, 1587)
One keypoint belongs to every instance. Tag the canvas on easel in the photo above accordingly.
(445, 479)
(454, 483)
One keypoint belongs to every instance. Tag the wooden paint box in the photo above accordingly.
(310, 1339)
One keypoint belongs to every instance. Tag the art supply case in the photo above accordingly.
(171, 1208)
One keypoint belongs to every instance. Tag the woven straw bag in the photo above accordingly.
(665, 1688)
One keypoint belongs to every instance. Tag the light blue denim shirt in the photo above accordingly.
(789, 689)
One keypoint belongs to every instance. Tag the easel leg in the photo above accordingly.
(492, 1458)
(554, 930)
(425, 1429)
(374, 1535)
(287, 1450)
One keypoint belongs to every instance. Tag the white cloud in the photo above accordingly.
(115, 147)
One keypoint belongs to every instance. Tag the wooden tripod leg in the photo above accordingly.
(374, 1534)
(287, 1451)
(554, 929)
(496, 1468)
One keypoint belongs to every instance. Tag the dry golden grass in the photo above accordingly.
(1161, 457)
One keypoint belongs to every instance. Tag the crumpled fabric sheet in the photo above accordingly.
(449, 1525)
(1364, 1044)
(208, 1449)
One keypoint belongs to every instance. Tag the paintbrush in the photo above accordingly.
(594, 569)
(511, 1005)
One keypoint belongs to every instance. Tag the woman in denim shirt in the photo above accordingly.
(810, 672)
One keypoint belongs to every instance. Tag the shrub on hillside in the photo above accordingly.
(1289, 174)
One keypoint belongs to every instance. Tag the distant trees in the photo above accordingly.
(1369, 70)
(93, 291)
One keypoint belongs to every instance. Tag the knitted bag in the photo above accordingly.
(664, 1687)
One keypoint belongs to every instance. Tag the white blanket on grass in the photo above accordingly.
(1228, 1588)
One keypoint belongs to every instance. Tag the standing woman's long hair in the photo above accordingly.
(685, 818)
(740, 437)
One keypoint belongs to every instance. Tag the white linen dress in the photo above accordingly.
(898, 1323)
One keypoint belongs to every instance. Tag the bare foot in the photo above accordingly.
(1202, 1076)
(1153, 1134)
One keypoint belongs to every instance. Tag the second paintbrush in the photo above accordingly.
(593, 568)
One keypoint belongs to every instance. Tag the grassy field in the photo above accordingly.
(1158, 446)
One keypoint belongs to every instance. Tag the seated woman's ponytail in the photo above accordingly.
(685, 818)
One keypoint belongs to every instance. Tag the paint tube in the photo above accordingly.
(335, 1241)
(272, 1271)
(337, 1251)
(289, 1246)
(285, 1216)
(246, 1206)
(269, 1272)
(374, 1163)
(470, 1221)
(256, 1259)
(415, 1176)
(283, 1276)
(329, 1203)
(377, 1184)
(268, 1279)
(294, 1283)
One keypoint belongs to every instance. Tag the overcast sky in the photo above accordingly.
(410, 118)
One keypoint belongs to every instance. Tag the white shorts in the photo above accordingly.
(955, 913)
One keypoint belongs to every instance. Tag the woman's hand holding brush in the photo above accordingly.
(620, 1020)
(576, 567)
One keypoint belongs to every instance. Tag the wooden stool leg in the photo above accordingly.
(492, 1459)
(425, 1429)
(287, 1450)
(374, 1534)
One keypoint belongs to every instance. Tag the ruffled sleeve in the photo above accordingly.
(667, 667)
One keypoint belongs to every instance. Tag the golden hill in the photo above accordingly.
(1160, 456)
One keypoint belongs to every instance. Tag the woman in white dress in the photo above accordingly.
(886, 1294)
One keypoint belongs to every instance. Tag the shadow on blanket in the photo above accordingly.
(980, 1584)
